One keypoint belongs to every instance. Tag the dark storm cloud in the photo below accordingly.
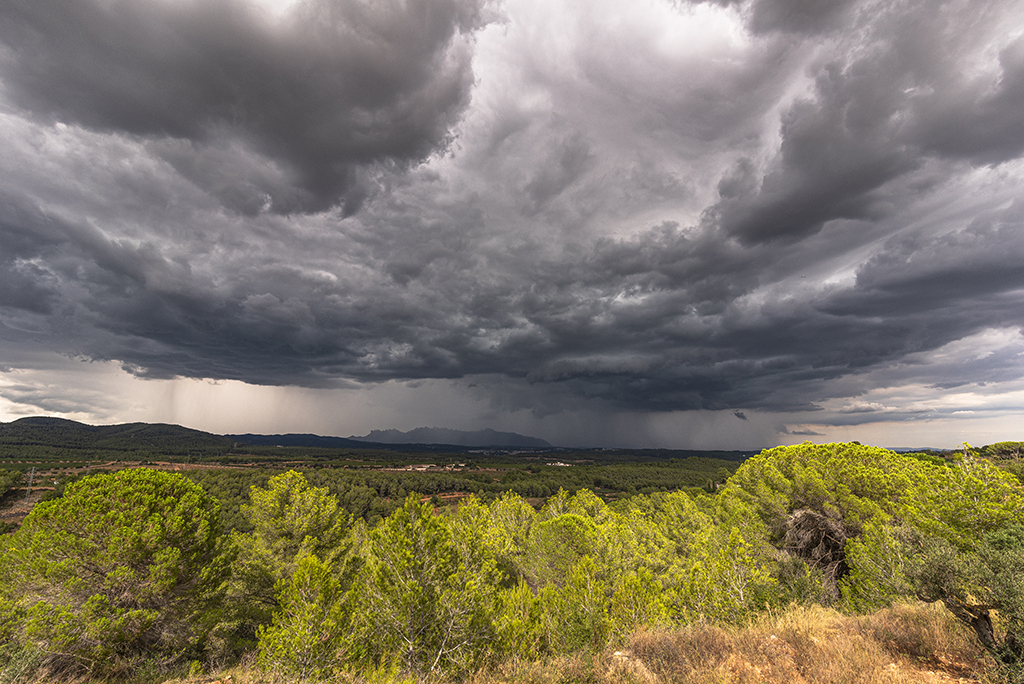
(665, 344)
(335, 86)
(971, 274)
(830, 205)
(784, 430)
(800, 16)
(792, 16)
(877, 112)
(23, 284)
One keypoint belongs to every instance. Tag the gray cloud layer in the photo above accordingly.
(599, 208)
(339, 85)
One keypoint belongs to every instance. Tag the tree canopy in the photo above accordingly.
(132, 567)
(121, 568)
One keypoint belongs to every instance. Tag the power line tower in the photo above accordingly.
(31, 478)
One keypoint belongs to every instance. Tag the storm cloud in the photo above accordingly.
(767, 206)
(330, 88)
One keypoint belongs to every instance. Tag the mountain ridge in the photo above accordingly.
(434, 435)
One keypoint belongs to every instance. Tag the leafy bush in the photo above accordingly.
(975, 583)
(425, 597)
(307, 631)
(289, 521)
(120, 570)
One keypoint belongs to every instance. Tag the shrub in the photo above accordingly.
(424, 600)
(120, 570)
(290, 520)
(307, 631)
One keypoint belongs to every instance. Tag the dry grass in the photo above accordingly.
(927, 635)
(906, 644)
(910, 644)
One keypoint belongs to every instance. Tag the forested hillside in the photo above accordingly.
(135, 573)
(42, 439)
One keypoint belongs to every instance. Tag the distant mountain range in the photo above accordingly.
(479, 438)
(300, 440)
(419, 437)
(173, 439)
(45, 437)
(157, 438)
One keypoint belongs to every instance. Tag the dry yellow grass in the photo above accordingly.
(911, 644)
(906, 644)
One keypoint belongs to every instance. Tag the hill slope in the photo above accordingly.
(68, 435)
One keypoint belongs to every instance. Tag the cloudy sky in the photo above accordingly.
(638, 223)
